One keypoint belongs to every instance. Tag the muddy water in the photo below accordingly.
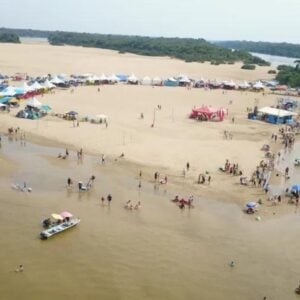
(158, 252)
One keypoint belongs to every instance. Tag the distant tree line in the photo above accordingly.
(289, 75)
(187, 49)
(6, 37)
(279, 49)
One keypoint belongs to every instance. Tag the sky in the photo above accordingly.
(256, 20)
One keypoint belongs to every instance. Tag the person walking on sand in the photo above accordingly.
(140, 174)
(102, 200)
(140, 185)
(209, 179)
(109, 198)
(286, 172)
(102, 159)
(187, 166)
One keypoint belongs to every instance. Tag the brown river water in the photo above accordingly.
(158, 252)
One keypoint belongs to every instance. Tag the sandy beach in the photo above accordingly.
(116, 254)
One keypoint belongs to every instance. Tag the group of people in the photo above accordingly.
(130, 206)
(65, 156)
(202, 178)
(160, 180)
(108, 198)
(182, 203)
(231, 168)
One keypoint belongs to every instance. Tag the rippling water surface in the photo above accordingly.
(158, 252)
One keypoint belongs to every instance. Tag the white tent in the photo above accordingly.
(184, 79)
(103, 78)
(27, 88)
(245, 85)
(36, 86)
(56, 80)
(48, 85)
(276, 112)
(113, 78)
(9, 91)
(146, 81)
(34, 103)
(157, 81)
(258, 85)
(132, 79)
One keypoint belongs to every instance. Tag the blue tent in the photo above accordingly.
(122, 77)
(171, 82)
(5, 100)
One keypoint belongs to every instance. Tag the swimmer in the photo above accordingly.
(138, 205)
(19, 269)
(232, 264)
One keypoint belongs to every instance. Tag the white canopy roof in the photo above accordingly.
(132, 78)
(2, 105)
(244, 85)
(56, 80)
(184, 79)
(157, 80)
(34, 103)
(113, 78)
(103, 77)
(48, 84)
(276, 112)
(146, 80)
(36, 86)
(258, 85)
(27, 88)
(9, 91)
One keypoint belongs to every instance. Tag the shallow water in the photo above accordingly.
(158, 252)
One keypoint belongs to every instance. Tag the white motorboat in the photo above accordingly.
(65, 221)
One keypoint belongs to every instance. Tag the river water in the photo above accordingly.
(159, 252)
(277, 60)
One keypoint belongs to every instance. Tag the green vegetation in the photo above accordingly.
(189, 50)
(279, 49)
(289, 75)
(6, 37)
(26, 32)
(248, 67)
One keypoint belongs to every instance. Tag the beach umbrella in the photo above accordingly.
(251, 204)
(296, 188)
(56, 216)
(66, 214)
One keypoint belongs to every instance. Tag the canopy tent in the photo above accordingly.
(273, 115)
(113, 78)
(229, 84)
(5, 100)
(258, 85)
(123, 77)
(157, 81)
(245, 85)
(36, 86)
(34, 103)
(132, 79)
(103, 78)
(146, 81)
(276, 112)
(56, 80)
(11, 91)
(208, 113)
(27, 88)
(66, 214)
(171, 82)
(48, 85)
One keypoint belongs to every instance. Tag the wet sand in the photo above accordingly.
(159, 252)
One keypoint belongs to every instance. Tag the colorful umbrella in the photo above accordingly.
(296, 188)
(251, 205)
(57, 217)
(66, 214)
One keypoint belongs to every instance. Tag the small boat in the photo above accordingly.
(65, 221)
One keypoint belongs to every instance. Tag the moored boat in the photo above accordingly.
(63, 222)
